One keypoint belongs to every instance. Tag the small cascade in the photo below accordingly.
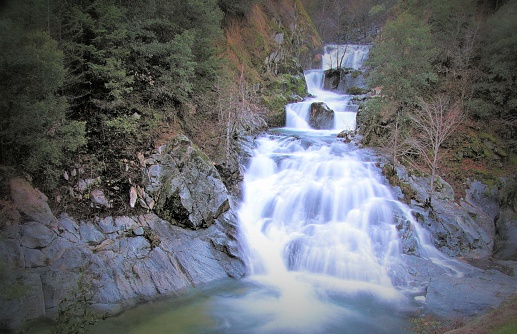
(345, 56)
(297, 114)
(318, 210)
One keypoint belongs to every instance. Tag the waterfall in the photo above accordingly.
(316, 208)
(322, 232)
(319, 219)
(297, 114)
(348, 56)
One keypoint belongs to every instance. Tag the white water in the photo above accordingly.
(319, 222)
(351, 56)
(323, 251)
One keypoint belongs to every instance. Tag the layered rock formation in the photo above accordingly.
(123, 260)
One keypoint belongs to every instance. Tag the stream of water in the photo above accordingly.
(318, 223)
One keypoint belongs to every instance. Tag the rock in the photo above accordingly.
(31, 202)
(97, 197)
(133, 196)
(456, 230)
(321, 116)
(23, 301)
(83, 185)
(185, 185)
(90, 234)
(481, 196)
(506, 238)
(139, 231)
(347, 81)
(458, 297)
(333, 78)
(346, 135)
(36, 235)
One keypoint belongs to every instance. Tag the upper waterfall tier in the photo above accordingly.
(345, 56)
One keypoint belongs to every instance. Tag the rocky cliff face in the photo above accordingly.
(123, 260)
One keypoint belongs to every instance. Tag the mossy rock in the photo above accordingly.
(354, 90)
(275, 110)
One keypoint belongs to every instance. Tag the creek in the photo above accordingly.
(319, 224)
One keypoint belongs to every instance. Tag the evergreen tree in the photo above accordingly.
(496, 97)
(35, 133)
(402, 60)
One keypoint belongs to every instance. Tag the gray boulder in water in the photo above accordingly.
(321, 116)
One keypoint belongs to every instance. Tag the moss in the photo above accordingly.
(507, 329)
(513, 160)
(276, 109)
(354, 90)
(356, 74)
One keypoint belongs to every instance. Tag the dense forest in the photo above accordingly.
(94, 83)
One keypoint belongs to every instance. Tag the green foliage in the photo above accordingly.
(497, 93)
(507, 329)
(235, 7)
(370, 117)
(74, 313)
(35, 133)
(401, 62)
(354, 90)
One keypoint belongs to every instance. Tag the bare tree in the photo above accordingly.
(238, 110)
(435, 121)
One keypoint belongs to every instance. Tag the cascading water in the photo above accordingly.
(320, 223)
(349, 56)
(320, 228)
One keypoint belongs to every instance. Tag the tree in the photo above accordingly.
(402, 60)
(35, 133)
(497, 93)
(435, 121)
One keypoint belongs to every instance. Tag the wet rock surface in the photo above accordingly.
(321, 116)
(472, 278)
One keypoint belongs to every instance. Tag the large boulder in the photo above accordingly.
(347, 81)
(186, 187)
(30, 202)
(457, 229)
(321, 116)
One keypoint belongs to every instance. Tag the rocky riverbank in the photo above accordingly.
(190, 240)
(477, 273)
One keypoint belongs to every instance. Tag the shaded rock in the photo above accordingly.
(455, 297)
(506, 237)
(333, 78)
(347, 81)
(321, 116)
(36, 235)
(186, 186)
(27, 304)
(31, 202)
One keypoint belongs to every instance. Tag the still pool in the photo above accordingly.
(253, 306)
